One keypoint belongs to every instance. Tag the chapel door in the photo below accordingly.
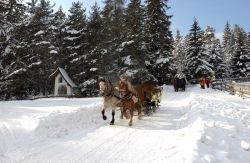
(62, 90)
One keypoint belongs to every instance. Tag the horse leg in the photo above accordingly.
(103, 114)
(131, 116)
(113, 117)
(121, 113)
(153, 106)
(147, 108)
(139, 108)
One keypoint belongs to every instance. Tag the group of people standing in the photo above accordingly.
(204, 81)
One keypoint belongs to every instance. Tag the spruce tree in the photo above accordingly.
(58, 27)
(248, 50)
(159, 40)
(42, 46)
(10, 11)
(221, 68)
(75, 43)
(31, 6)
(248, 43)
(95, 38)
(227, 43)
(132, 51)
(118, 38)
(197, 54)
(209, 42)
(113, 19)
(179, 52)
(240, 60)
(11, 14)
(216, 56)
(106, 56)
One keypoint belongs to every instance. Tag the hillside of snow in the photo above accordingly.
(200, 126)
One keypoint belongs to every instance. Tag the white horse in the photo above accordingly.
(110, 98)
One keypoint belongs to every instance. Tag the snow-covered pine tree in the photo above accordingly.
(118, 37)
(216, 56)
(159, 40)
(95, 33)
(240, 59)
(31, 6)
(197, 54)
(11, 14)
(132, 50)
(222, 69)
(113, 19)
(75, 43)
(10, 11)
(58, 27)
(41, 42)
(179, 52)
(106, 15)
(248, 42)
(227, 43)
(248, 50)
(93, 67)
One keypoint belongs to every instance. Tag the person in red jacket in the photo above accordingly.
(202, 82)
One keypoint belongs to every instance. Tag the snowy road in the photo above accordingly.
(193, 126)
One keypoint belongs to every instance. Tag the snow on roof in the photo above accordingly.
(65, 76)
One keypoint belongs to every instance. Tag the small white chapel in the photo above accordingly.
(64, 86)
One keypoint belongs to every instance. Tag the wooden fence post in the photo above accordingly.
(231, 88)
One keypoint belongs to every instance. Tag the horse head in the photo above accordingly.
(103, 87)
(123, 87)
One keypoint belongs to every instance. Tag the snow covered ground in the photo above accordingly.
(193, 126)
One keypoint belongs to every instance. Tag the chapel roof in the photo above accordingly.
(64, 75)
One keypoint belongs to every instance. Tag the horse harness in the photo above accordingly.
(127, 96)
(110, 93)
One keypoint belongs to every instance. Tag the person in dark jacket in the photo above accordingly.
(207, 81)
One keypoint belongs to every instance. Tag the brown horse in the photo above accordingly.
(144, 89)
(149, 95)
(129, 99)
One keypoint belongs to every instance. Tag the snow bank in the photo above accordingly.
(60, 124)
(219, 129)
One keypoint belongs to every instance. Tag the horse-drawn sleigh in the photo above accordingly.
(143, 98)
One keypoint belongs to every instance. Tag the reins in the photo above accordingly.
(110, 93)
(127, 96)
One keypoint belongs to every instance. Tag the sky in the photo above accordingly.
(213, 13)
